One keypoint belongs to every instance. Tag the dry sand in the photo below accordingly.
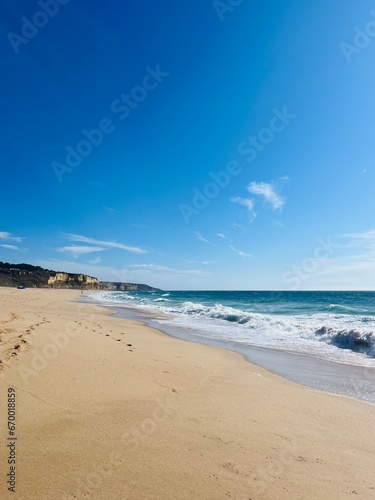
(163, 418)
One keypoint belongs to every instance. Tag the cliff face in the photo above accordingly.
(125, 287)
(37, 277)
(65, 280)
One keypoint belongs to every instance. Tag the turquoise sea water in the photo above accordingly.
(336, 326)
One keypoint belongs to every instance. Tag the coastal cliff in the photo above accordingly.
(30, 276)
(65, 280)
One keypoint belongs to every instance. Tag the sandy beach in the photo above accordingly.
(108, 408)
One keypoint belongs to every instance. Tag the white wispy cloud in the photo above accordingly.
(204, 263)
(158, 268)
(153, 267)
(350, 266)
(221, 235)
(107, 244)
(277, 223)
(240, 252)
(200, 237)
(77, 250)
(268, 191)
(345, 265)
(246, 202)
(10, 247)
(361, 236)
(9, 237)
(97, 260)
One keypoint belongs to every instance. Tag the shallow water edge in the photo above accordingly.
(352, 381)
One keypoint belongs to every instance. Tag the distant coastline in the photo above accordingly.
(29, 276)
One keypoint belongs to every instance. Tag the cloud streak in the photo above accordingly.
(352, 264)
(361, 237)
(9, 247)
(108, 244)
(268, 192)
(200, 237)
(9, 237)
(97, 260)
(240, 252)
(158, 268)
(246, 202)
(77, 250)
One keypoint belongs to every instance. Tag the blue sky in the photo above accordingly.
(190, 145)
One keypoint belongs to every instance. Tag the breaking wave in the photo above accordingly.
(346, 333)
(355, 340)
(308, 327)
(345, 309)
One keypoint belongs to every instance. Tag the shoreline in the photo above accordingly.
(332, 377)
(120, 410)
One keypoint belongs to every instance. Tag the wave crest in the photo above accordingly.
(218, 311)
(363, 342)
(345, 309)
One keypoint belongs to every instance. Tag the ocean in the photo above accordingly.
(323, 339)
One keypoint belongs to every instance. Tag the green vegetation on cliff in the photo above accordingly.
(36, 277)
(24, 274)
